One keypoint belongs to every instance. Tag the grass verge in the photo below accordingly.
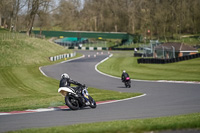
(180, 71)
(181, 122)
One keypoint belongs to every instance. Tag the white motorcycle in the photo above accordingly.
(76, 98)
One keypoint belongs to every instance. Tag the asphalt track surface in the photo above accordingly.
(162, 99)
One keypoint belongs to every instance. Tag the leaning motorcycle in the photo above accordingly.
(76, 98)
(127, 82)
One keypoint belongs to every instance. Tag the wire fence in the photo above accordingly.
(95, 44)
(12, 36)
(165, 53)
(147, 50)
(17, 36)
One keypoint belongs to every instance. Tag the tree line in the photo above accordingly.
(152, 18)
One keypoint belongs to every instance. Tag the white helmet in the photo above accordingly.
(64, 75)
(124, 71)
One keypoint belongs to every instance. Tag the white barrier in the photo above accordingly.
(91, 48)
(58, 57)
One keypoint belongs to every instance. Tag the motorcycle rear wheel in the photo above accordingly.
(92, 102)
(72, 102)
(127, 84)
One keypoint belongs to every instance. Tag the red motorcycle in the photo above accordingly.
(127, 82)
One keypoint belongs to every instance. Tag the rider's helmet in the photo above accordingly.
(64, 75)
(124, 71)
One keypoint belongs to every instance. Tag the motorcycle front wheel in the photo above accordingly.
(71, 102)
(92, 102)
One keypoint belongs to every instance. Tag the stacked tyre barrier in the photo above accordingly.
(58, 57)
(138, 54)
(142, 55)
(164, 61)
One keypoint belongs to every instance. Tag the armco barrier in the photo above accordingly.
(164, 61)
(58, 57)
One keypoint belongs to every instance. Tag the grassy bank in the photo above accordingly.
(180, 71)
(191, 121)
(22, 86)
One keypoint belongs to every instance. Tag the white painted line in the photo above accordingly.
(102, 72)
(42, 72)
(42, 110)
(123, 99)
(4, 113)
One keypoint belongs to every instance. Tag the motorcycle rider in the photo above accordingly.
(66, 82)
(124, 76)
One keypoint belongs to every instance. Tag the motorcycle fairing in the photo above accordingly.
(65, 90)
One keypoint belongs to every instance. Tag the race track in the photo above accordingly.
(162, 99)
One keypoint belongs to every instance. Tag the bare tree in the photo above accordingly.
(33, 6)
(151, 18)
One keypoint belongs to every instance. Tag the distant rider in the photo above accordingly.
(124, 76)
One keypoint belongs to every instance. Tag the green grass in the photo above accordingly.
(22, 86)
(180, 71)
(27, 51)
(181, 122)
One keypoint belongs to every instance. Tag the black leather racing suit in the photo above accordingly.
(124, 76)
(66, 82)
